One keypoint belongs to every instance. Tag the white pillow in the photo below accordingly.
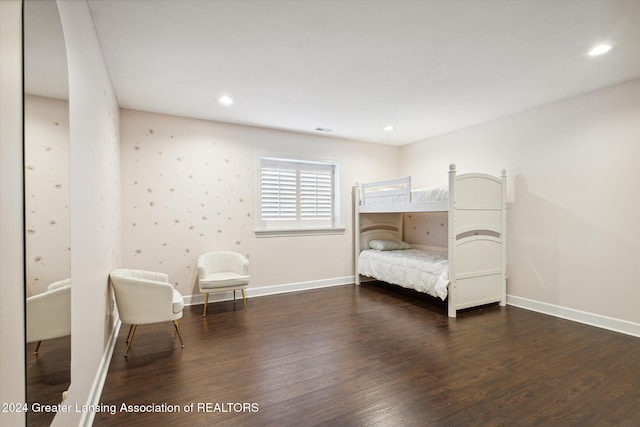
(388, 245)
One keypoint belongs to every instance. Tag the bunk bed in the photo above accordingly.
(470, 272)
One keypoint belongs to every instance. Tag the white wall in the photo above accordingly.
(46, 151)
(12, 357)
(189, 186)
(574, 198)
(95, 201)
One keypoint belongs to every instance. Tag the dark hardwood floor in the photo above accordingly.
(370, 355)
(48, 376)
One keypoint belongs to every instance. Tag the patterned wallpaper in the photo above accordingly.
(47, 237)
(184, 194)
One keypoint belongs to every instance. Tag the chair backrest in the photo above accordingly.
(140, 274)
(223, 261)
(143, 296)
(49, 313)
(59, 284)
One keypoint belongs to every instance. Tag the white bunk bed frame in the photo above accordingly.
(477, 231)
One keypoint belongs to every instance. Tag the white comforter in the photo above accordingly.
(423, 271)
(436, 194)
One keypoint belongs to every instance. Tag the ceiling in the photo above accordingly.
(45, 58)
(354, 67)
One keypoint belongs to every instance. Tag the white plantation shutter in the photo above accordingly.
(316, 193)
(279, 193)
(297, 194)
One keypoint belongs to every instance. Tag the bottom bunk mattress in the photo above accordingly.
(423, 271)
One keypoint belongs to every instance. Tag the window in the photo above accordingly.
(298, 195)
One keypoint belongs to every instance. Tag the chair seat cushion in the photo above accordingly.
(178, 302)
(223, 280)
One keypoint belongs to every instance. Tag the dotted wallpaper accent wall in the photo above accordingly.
(48, 239)
(428, 229)
(189, 187)
(185, 194)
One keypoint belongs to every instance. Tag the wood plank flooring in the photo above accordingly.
(48, 375)
(372, 355)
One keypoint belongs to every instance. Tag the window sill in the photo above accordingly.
(274, 232)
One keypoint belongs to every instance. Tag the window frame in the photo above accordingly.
(283, 227)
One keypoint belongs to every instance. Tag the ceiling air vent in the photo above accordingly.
(326, 130)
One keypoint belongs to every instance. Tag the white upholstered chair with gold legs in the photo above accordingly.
(144, 297)
(221, 272)
(49, 313)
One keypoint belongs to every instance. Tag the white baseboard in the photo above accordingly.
(271, 290)
(101, 375)
(605, 322)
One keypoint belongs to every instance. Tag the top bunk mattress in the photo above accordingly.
(437, 194)
(423, 271)
(422, 195)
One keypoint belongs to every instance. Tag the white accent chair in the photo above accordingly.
(220, 272)
(144, 297)
(49, 313)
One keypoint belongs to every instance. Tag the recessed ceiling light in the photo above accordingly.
(225, 100)
(600, 49)
(388, 128)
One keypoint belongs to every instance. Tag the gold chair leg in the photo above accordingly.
(37, 347)
(175, 323)
(129, 334)
(206, 300)
(244, 299)
(132, 330)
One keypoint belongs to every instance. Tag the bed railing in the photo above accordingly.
(395, 195)
(390, 187)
